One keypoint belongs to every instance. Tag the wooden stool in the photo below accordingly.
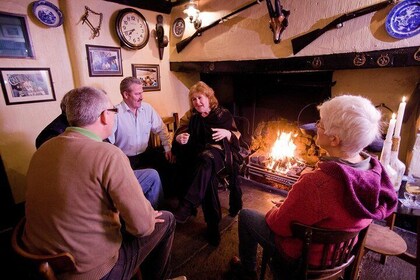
(382, 240)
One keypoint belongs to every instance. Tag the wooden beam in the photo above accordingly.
(401, 57)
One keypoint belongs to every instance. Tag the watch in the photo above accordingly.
(178, 27)
(132, 28)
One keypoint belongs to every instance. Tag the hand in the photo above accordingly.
(221, 133)
(170, 157)
(182, 138)
(158, 214)
(128, 32)
(278, 203)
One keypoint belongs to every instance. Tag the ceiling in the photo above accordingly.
(161, 6)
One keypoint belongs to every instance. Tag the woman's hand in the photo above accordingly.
(157, 215)
(221, 133)
(183, 138)
(277, 203)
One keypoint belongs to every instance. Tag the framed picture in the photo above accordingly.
(104, 61)
(26, 85)
(15, 41)
(149, 74)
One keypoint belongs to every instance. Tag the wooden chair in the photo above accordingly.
(47, 265)
(341, 245)
(384, 241)
(172, 123)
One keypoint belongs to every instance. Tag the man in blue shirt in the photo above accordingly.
(135, 122)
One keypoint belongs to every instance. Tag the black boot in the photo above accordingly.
(183, 212)
(213, 234)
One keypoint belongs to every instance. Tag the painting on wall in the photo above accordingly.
(104, 61)
(26, 85)
(149, 75)
(15, 41)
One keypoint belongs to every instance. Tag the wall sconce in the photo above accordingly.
(191, 9)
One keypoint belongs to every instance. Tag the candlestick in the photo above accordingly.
(396, 163)
(400, 116)
(391, 128)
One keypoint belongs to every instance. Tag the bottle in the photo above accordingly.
(414, 167)
(396, 164)
(385, 159)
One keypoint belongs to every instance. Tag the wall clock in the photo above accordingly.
(178, 27)
(132, 29)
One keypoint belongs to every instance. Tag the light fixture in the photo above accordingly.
(191, 9)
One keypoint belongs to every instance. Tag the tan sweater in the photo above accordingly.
(77, 186)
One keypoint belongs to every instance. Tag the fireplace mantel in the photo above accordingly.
(401, 57)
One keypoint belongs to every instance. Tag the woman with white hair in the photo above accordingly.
(346, 191)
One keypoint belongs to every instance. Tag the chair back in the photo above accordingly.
(172, 124)
(339, 250)
(47, 265)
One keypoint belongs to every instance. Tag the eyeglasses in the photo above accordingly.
(318, 124)
(115, 110)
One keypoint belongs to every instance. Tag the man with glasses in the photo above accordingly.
(148, 178)
(78, 189)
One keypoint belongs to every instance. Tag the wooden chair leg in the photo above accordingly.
(264, 262)
(390, 222)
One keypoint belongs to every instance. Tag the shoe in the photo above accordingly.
(179, 278)
(234, 211)
(183, 212)
(213, 234)
(238, 272)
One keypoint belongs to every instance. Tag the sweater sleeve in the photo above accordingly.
(127, 195)
(303, 204)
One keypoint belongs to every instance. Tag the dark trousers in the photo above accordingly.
(151, 253)
(204, 187)
(155, 158)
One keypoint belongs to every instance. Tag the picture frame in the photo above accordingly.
(149, 74)
(15, 41)
(26, 85)
(104, 61)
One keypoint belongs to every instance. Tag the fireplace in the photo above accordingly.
(274, 103)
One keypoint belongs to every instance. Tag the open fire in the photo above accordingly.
(282, 164)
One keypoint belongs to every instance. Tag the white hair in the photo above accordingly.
(354, 119)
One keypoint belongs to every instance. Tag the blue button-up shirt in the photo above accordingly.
(131, 133)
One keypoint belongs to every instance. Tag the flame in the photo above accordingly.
(282, 152)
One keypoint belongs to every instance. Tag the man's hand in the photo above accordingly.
(158, 214)
(221, 133)
(182, 138)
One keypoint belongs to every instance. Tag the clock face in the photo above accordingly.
(132, 28)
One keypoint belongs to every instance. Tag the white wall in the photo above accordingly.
(247, 35)
(62, 49)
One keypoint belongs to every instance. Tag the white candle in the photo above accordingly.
(400, 116)
(391, 128)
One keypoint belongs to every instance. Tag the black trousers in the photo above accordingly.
(155, 158)
(204, 187)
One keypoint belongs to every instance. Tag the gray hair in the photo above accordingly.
(63, 102)
(127, 82)
(85, 105)
(354, 119)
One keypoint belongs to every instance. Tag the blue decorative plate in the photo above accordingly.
(47, 13)
(403, 20)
